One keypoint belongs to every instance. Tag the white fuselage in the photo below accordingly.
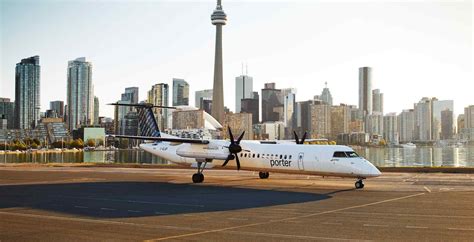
(278, 157)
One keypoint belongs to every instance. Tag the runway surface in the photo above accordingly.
(130, 204)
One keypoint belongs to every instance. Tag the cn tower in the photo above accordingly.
(218, 18)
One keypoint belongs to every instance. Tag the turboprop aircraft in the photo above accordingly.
(252, 155)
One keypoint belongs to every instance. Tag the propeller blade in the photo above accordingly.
(240, 137)
(232, 141)
(226, 161)
(296, 137)
(237, 161)
(304, 137)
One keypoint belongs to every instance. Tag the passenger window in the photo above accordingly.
(290, 157)
(352, 154)
(253, 155)
(339, 154)
(285, 157)
(281, 156)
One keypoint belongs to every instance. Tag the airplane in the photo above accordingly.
(262, 156)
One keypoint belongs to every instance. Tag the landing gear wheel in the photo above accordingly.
(359, 184)
(198, 177)
(263, 175)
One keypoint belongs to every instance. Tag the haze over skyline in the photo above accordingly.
(416, 49)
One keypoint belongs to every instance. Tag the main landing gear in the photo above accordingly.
(359, 184)
(199, 177)
(263, 175)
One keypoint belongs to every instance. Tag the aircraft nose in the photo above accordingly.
(374, 171)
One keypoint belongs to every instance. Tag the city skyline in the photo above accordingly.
(449, 63)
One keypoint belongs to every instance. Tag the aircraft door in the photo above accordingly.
(300, 161)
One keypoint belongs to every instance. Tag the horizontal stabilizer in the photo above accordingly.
(175, 140)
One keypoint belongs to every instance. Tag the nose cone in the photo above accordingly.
(373, 171)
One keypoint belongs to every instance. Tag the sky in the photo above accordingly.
(416, 48)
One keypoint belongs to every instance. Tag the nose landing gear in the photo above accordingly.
(359, 184)
(263, 175)
(199, 177)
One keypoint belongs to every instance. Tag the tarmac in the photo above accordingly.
(135, 204)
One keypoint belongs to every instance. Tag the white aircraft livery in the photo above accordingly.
(262, 156)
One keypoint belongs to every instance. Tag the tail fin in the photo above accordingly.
(146, 118)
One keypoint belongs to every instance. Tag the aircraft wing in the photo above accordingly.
(175, 140)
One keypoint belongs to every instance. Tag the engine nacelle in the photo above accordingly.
(210, 151)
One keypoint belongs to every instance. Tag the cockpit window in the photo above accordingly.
(352, 154)
(339, 154)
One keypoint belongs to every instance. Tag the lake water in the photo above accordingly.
(382, 157)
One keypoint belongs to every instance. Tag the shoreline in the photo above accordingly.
(464, 170)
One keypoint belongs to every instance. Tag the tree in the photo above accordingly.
(90, 143)
(34, 146)
(382, 142)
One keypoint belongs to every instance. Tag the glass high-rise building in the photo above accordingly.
(58, 107)
(326, 95)
(159, 96)
(243, 90)
(131, 94)
(377, 101)
(272, 98)
(365, 90)
(80, 94)
(202, 96)
(439, 106)
(96, 111)
(7, 109)
(180, 92)
(27, 93)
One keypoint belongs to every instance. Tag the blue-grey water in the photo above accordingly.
(382, 157)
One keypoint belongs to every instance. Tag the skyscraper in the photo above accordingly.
(320, 121)
(251, 105)
(377, 101)
(340, 119)
(423, 120)
(289, 103)
(365, 90)
(96, 111)
(180, 92)
(27, 93)
(80, 94)
(199, 96)
(58, 107)
(219, 19)
(159, 96)
(447, 128)
(243, 90)
(390, 128)
(7, 109)
(326, 95)
(272, 98)
(406, 125)
(130, 94)
(437, 122)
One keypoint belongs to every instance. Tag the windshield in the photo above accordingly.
(351, 154)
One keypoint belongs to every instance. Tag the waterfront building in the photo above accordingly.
(58, 107)
(202, 95)
(406, 125)
(7, 109)
(437, 107)
(423, 120)
(377, 101)
(271, 98)
(365, 90)
(80, 94)
(390, 128)
(239, 122)
(340, 120)
(27, 93)
(320, 127)
(375, 124)
(289, 103)
(96, 111)
(269, 131)
(447, 127)
(3, 121)
(468, 131)
(158, 96)
(218, 19)
(180, 92)
(243, 90)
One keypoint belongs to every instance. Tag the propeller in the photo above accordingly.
(234, 149)
(299, 142)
